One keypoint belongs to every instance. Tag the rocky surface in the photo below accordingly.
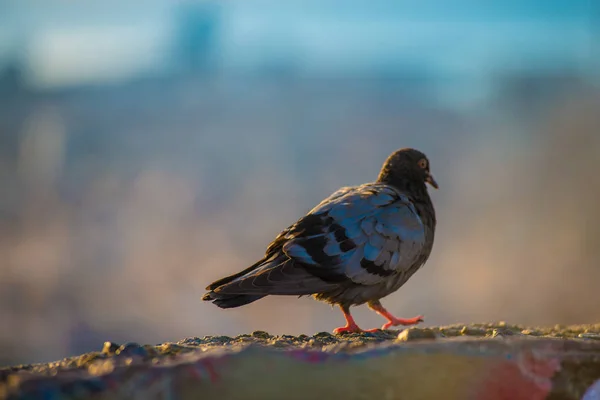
(561, 361)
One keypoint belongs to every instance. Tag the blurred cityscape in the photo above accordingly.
(147, 149)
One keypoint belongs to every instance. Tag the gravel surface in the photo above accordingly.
(323, 341)
(574, 377)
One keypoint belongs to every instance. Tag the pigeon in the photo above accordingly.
(357, 246)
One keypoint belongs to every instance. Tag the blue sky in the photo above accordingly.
(64, 42)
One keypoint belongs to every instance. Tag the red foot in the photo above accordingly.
(402, 321)
(352, 328)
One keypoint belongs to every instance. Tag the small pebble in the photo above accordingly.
(132, 349)
(450, 332)
(589, 335)
(195, 341)
(172, 348)
(500, 333)
(87, 359)
(472, 331)
(323, 335)
(110, 348)
(101, 368)
(415, 334)
(213, 340)
(530, 332)
(261, 335)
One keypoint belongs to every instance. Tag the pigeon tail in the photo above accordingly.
(231, 300)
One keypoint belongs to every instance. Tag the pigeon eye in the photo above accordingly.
(422, 163)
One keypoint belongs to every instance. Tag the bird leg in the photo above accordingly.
(392, 321)
(350, 324)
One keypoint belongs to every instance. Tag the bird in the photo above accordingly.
(357, 246)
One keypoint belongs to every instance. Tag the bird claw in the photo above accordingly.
(347, 329)
(402, 321)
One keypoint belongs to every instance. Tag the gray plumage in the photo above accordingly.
(358, 245)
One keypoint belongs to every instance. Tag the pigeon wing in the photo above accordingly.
(365, 234)
(359, 235)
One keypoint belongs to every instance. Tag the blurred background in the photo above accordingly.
(148, 148)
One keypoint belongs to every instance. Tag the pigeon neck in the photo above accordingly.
(412, 188)
(406, 184)
(415, 189)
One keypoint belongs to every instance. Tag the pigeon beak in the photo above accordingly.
(431, 181)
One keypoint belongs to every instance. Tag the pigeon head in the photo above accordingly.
(406, 167)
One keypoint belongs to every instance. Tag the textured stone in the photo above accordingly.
(110, 348)
(416, 334)
(250, 366)
(589, 335)
(472, 331)
(131, 350)
(260, 335)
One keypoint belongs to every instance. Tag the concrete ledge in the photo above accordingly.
(483, 362)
